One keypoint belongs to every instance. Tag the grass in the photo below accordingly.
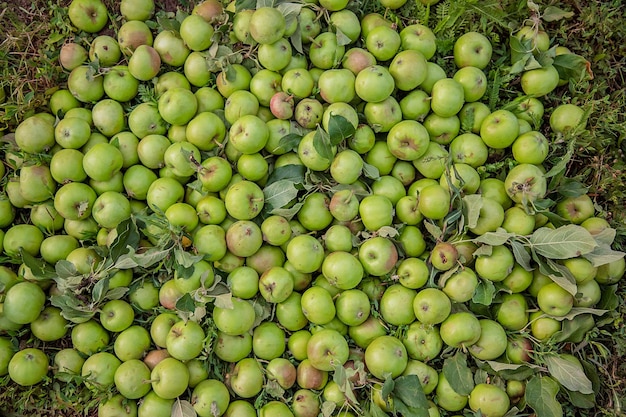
(31, 34)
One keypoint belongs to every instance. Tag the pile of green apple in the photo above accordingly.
(290, 209)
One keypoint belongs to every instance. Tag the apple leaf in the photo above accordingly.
(407, 411)
(183, 408)
(38, 267)
(294, 173)
(387, 231)
(127, 235)
(273, 388)
(571, 188)
(502, 366)
(296, 40)
(484, 292)
(223, 300)
(576, 311)
(168, 23)
(540, 395)
(472, 204)
(562, 276)
(65, 269)
(279, 194)
(116, 293)
(602, 255)
(483, 250)
(186, 259)
(569, 374)
(339, 129)
(186, 303)
(387, 388)
(565, 242)
(289, 142)
(458, 374)
(100, 289)
(434, 230)
(375, 410)
(521, 255)
(580, 400)
(72, 309)
(144, 260)
(244, 4)
(553, 13)
(322, 144)
(572, 66)
(342, 39)
(408, 389)
(497, 238)
(370, 171)
(606, 236)
(291, 11)
(574, 330)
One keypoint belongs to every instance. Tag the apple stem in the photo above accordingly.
(317, 44)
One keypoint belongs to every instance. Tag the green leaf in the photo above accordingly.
(571, 188)
(186, 303)
(562, 243)
(576, 311)
(574, 330)
(541, 394)
(409, 390)
(387, 388)
(38, 267)
(296, 40)
(434, 230)
(521, 255)
(127, 235)
(483, 250)
(484, 293)
(569, 374)
(342, 39)
(563, 277)
(168, 24)
(458, 374)
(472, 204)
(580, 400)
(289, 142)
(497, 238)
(520, 51)
(370, 171)
(572, 66)
(602, 255)
(291, 11)
(606, 236)
(406, 411)
(224, 300)
(273, 388)
(145, 259)
(375, 410)
(279, 194)
(610, 299)
(339, 129)
(116, 293)
(65, 269)
(553, 13)
(244, 4)
(327, 409)
(322, 144)
(502, 366)
(183, 408)
(563, 161)
(293, 173)
(100, 289)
